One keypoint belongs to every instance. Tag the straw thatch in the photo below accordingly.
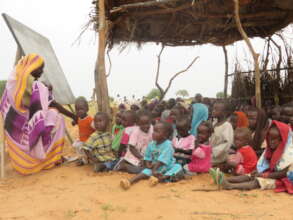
(191, 22)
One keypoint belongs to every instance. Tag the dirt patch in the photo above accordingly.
(74, 193)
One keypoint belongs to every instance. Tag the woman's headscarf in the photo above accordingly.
(274, 157)
(18, 84)
(242, 120)
(200, 113)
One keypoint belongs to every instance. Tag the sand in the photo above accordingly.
(74, 193)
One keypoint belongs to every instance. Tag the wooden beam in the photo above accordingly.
(254, 54)
(141, 5)
(100, 69)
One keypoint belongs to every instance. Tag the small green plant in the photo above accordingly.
(106, 208)
(70, 213)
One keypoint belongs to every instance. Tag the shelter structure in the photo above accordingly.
(188, 22)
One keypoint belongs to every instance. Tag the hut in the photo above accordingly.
(187, 22)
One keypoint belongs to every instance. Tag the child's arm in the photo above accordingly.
(274, 175)
(148, 164)
(122, 149)
(189, 152)
(155, 168)
(135, 152)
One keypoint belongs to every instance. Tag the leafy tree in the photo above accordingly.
(154, 93)
(2, 86)
(183, 93)
(220, 95)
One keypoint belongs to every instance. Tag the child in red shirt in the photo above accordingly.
(245, 159)
(85, 123)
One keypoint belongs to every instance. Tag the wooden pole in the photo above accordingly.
(226, 72)
(254, 54)
(100, 69)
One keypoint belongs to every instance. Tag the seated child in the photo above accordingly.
(117, 131)
(273, 167)
(132, 162)
(239, 120)
(156, 113)
(202, 154)
(244, 160)
(183, 143)
(160, 165)
(129, 124)
(84, 122)
(98, 148)
(222, 137)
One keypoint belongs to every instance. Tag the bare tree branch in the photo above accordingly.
(158, 71)
(164, 91)
(177, 74)
(226, 72)
(254, 54)
(110, 63)
(280, 56)
(266, 61)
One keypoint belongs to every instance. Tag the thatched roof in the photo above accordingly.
(192, 22)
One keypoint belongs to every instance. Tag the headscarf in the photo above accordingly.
(200, 113)
(25, 66)
(274, 157)
(242, 120)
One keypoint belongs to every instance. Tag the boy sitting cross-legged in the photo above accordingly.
(98, 148)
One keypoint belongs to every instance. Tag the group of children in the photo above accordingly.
(169, 141)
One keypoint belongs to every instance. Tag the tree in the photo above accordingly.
(163, 92)
(2, 86)
(154, 93)
(183, 93)
(220, 95)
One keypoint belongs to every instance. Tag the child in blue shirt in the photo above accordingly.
(159, 163)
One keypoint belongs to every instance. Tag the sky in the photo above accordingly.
(133, 70)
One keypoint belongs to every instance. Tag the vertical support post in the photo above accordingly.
(226, 72)
(100, 69)
(253, 53)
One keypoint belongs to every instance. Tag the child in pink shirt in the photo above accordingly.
(202, 154)
(183, 142)
(132, 162)
(129, 123)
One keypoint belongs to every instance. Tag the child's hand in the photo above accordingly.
(157, 174)
(255, 174)
(73, 123)
(148, 165)
(196, 143)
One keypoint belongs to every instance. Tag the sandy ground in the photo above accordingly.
(74, 193)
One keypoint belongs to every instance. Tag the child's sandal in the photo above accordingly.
(125, 184)
(153, 181)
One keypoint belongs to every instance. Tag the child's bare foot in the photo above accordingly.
(187, 177)
(79, 162)
(153, 181)
(125, 184)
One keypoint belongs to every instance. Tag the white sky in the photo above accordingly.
(133, 70)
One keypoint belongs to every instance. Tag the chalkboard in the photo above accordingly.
(29, 41)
